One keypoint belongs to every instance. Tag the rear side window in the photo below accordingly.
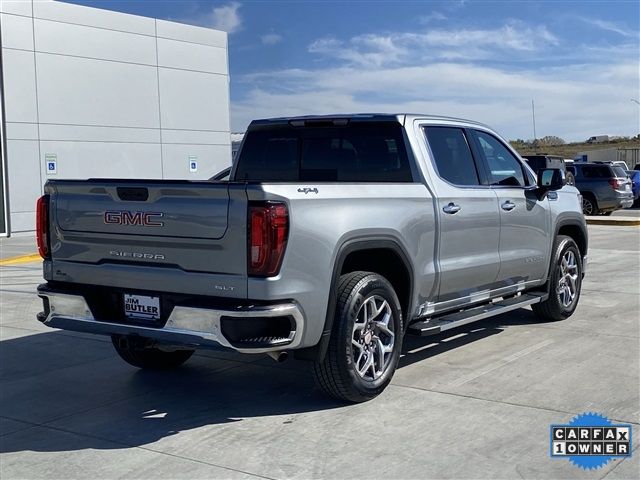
(452, 155)
(353, 153)
(504, 167)
(619, 172)
(596, 171)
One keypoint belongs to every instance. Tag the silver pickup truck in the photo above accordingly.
(333, 238)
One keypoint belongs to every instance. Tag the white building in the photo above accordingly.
(94, 93)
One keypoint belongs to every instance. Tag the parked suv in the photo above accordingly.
(333, 238)
(605, 187)
(634, 176)
(540, 161)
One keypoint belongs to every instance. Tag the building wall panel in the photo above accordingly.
(211, 159)
(82, 160)
(82, 41)
(193, 100)
(81, 91)
(189, 33)
(24, 178)
(80, 15)
(17, 31)
(192, 56)
(19, 85)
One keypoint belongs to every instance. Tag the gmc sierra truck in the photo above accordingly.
(333, 238)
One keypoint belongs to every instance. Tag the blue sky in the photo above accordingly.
(579, 60)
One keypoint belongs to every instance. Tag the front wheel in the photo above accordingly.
(366, 339)
(565, 282)
(149, 358)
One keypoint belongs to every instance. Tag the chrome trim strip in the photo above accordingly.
(431, 308)
(186, 325)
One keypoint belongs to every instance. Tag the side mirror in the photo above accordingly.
(551, 179)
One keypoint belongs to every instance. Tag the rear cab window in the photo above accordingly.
(356, 152)
(452, 155)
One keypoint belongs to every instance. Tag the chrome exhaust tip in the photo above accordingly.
(279, 357)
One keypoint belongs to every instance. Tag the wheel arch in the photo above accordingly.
(576, 231)
(574, 228)
(355, 254)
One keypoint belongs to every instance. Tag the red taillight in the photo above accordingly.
(268, 231)
(616, 183)
(42, 226)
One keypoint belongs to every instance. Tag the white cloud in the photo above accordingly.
(375, 50)
(432, 17)
(610, 27)
(571, 102)
(225, 17)
(444, 72)
(270, 39)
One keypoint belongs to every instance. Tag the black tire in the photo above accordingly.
(337, 374)
(148, 358)
(589, 205)
(553, 308)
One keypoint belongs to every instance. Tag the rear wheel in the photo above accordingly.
(565, 282)
(589, 206)
(134, 353)
(366, 339)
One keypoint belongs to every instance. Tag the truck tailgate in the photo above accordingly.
(128, 233)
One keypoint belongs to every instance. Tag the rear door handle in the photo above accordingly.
(451, 208)
(508, 205)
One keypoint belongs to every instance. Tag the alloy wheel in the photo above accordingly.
(567, 288)
(587, 206)
(373, 338)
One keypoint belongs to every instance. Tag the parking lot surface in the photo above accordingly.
(476, 402)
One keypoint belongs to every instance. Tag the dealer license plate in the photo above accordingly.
(141, 307)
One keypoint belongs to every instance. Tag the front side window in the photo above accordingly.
(452, 155)
(504, 167)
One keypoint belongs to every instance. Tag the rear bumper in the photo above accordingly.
(186, 326)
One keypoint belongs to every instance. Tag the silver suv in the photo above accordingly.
(605, 187)
(333, 238)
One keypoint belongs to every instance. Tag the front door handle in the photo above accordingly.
(508, 205)
(451, 208)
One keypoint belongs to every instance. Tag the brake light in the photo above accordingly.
(616, 183)
(268, 232)
(42, 226)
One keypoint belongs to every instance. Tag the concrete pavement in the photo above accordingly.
(476, 402)
(23, 244)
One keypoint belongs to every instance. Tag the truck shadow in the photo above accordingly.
(416, 349)
(63, 392)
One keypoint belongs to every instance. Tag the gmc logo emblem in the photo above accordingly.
(146, 219)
